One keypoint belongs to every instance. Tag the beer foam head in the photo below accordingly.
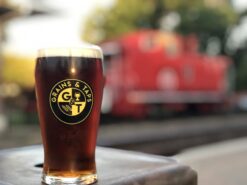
(89, 51)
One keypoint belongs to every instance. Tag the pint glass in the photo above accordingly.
(69, 87)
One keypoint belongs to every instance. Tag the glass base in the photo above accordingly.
(79, 180)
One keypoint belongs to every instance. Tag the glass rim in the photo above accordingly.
(88, 51)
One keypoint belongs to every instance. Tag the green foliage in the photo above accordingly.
(240, 58)
(242, 74)
(123, 17)
(178, 4)
(129, 15)
(206, 23)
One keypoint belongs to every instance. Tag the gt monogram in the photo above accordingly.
(71, 101)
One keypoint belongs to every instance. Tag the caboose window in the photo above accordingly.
(147, 43)
(171, 50)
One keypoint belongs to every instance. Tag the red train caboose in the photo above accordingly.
(151, 68)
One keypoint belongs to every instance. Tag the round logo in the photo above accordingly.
(71, 101)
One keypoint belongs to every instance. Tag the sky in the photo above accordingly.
(26, 35)
(240, 5)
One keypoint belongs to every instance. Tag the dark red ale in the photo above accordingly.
(69, 89)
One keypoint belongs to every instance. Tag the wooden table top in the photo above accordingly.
(114, 167)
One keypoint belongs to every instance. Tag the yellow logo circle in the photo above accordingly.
(71, 100)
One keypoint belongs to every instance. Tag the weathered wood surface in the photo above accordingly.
(115, 167)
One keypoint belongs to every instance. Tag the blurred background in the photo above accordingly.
(176, 71)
